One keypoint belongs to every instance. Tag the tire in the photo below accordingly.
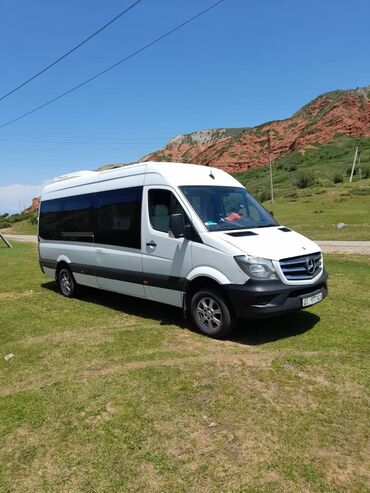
(211, 313)
(66, 282)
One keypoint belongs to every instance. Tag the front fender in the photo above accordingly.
(205, 271)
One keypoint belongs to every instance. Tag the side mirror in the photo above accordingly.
(176, 226)
(272, 213)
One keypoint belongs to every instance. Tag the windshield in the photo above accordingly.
(224, 208)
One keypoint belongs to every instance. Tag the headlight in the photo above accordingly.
(256, 268)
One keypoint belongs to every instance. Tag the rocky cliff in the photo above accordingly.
(238, 149)
(34, 207)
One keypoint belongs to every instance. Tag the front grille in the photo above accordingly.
(302, 268)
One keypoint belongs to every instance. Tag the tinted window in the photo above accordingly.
(112, 218)
(118, 217)
(79, 214)
(50, 213)
(69, 218)
(163, 203)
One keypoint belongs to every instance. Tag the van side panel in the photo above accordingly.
(118, 237)
(109, 256)
(166, 260)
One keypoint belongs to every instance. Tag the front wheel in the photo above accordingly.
(211, 314)
(66, 282)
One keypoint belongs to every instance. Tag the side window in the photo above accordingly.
(78, 214)
(162, 203)
(63, 219)
(118, 217)
(50, 219)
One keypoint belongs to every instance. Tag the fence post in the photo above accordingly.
(5, 241)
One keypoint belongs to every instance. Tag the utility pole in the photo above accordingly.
(270, 166)
(359, 163)
(357, 151)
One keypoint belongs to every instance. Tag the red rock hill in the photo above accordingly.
(237, 149)
(34, 207)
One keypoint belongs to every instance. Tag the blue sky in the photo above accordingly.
(241, 64)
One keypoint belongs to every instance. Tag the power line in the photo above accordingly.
(71, 50)
(148, 45)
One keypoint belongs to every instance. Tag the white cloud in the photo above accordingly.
(14, 198)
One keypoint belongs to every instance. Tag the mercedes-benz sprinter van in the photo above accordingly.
(181, 234)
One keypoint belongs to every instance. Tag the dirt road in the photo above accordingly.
(30, 238)
(345, 246)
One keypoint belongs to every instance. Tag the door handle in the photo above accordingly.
(151, 244)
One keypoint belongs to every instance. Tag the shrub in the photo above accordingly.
(349, 170)
(14, 218)
(365, 172)
(338, 178)
(360, 191)
(293, 194)
(4, 223)
(304, 180)
(290, 167)
(264, 196)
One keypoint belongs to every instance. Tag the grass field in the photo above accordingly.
(315, 210)
(317, 215)
(24, 227)
(109, 393)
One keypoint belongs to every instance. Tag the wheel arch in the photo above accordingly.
(62, 261)
(202, 282)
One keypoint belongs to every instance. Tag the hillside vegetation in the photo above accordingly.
(19, 223)
(312, 190)
(320, 167)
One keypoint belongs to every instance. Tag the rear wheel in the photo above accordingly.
(66, 282)
(211, 313)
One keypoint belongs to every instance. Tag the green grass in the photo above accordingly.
(317, 215)
(22, 224)
(315, 211)
(24, 227)
(110, 393)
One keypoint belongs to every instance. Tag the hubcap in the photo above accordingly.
(209, 313)
(66, 282)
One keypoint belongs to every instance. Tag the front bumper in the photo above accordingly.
(257, 299)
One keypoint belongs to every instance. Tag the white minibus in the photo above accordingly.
(186, 235)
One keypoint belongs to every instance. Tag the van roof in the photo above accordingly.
(172, 174)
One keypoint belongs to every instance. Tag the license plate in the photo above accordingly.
(311, 300)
